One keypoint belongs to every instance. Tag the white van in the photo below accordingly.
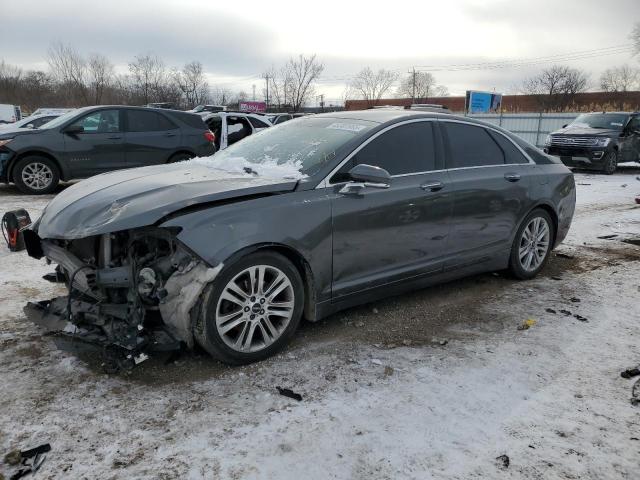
(9, 113)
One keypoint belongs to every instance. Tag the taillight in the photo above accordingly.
(210, 136)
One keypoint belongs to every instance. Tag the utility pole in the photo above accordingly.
(254, 91)
(413, 84)
(322, 102)
(266, 77)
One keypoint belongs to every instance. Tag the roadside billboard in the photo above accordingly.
(483, 102)
(252, 107)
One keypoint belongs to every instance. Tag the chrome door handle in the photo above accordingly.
(512, 177)
(432, 187)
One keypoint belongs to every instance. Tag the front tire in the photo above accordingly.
(36, 175)
(610, 163)
(251, 310)
(532, 245)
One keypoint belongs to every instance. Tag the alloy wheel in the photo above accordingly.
(255, 308)
(534, 244)
(37, 176)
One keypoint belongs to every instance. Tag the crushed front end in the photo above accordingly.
(129, 293)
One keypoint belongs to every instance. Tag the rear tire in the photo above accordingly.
(180, 157)
(610, 163)
(251, 310)
(532, 245)
(36, 175)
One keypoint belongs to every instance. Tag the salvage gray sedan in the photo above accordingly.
(300, 220)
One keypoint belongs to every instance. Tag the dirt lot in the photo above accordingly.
(433, 384)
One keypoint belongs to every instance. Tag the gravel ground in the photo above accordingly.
(433, 384)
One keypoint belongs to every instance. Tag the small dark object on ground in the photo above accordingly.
(632, 241)
(556, 278)
(580, 317)
(286, 392)
(549, 310)
(504, 460)
(54, 277)
(565, 255)
(566, 312)
(607, 237)
(173, 357)
(31, 459)
(630, 372)
(32, 452)
(574, 300)
(638, 200)
(12, 224)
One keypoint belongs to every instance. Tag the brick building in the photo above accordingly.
(581, 102)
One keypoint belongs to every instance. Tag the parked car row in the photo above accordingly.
(94, 140)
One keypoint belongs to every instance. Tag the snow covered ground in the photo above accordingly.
(433, 384)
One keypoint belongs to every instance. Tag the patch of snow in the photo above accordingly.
(269, 167)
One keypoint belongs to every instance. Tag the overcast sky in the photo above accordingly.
(238, 40)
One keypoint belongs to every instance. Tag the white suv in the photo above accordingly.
(231, 127)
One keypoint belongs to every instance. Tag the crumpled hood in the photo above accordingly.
(586, 132)
(141, 196)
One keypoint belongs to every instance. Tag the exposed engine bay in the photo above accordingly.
(129, 292)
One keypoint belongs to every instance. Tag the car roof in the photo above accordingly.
(385, 115)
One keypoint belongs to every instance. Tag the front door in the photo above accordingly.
(382, 236)
(490, 180)
(99, 147)
(150, 138)
(630, 145)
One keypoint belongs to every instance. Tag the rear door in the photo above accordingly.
(382, 236)
(631, 144)
(150, 138)
(99, 148)
(490, 179)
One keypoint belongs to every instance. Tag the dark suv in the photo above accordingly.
(597, 141)
(94, 140)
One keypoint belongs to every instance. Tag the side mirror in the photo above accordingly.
(364, 176)
(74, 129)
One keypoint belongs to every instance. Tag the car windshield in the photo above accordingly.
(610, 121)
(56, 122)
(292, 149)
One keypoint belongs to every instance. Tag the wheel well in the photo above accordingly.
(554, 218)
(305, 272)
(179, 152)
(38, 153)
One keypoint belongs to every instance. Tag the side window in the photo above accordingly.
(404, 149)
(511, 153)
(237, 129)
(257, 123)
(471, 146)
(103, 121)
(147, 121)
(634, 124)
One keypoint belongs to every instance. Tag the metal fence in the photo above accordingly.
(532, 127)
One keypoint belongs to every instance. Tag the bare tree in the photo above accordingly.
(221, 96)
(371, 86)
(70, 69)
(300, 75)
(193, 84)
(420, 85)
(619, 79)
(10, 79)
(556, 86)
(148, 77)
(100, 73)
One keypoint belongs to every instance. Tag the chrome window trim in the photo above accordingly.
(324, 183)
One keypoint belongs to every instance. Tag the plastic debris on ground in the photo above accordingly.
(527, 324)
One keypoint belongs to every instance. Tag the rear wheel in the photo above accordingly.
(610, 163)
(532, 245)
(36, 175)
(252, 309)
(180, 157)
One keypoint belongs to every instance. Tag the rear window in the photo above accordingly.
(471, 146)
(145, 121)
(190, 119)
(511, 153)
